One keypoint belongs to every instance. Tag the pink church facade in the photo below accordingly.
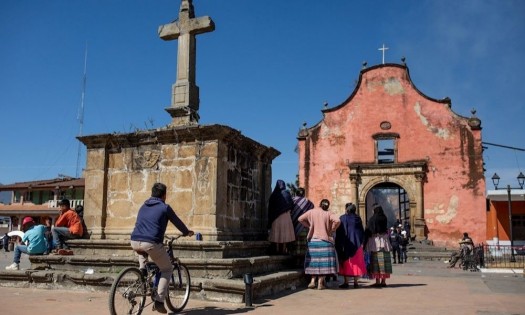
(390, 144)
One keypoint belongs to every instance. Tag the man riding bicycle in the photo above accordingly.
(148, 236)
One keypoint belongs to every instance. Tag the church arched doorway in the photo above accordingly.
(392, 198)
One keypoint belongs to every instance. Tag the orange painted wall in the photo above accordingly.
(498, 218)
(454, 191)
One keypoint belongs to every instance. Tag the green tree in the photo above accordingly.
(292, 187)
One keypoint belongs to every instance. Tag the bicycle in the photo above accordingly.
(132, 286)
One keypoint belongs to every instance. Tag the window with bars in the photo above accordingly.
(385, 151)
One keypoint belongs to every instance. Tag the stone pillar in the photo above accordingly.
(419, 220)
(95, 192)
(354, 180)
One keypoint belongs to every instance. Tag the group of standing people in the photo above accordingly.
(399, 239)
(335, 245)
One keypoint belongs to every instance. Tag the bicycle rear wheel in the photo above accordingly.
(179, 288)
(128, 293)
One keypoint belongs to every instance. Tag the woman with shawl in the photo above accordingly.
(279, 218)
(320, 260)
(301, 205)
(378, 245)
(349, 246)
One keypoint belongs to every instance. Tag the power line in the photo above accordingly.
(503, 146)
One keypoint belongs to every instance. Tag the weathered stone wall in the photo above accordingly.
(217, 181)
(427, 131)
(247, 181)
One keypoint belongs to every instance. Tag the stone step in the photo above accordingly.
(183, 247)
(225, 268)
(224, 290)
(424, 251)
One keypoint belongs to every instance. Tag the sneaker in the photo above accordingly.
(159, 307)
(13, 266)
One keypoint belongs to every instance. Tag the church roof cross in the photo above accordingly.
(185, 92)
(383, 49)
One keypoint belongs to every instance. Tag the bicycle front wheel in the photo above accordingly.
(128, 293)
(179, 289)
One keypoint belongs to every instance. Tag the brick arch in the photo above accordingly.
(409, 176)
(407, 184)
(404, 182)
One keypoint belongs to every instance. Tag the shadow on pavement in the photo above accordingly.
(401, 285)
(212, 310)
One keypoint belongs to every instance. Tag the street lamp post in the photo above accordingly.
(521, 181)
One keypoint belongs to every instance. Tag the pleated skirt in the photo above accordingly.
(354, 266)
(282, 229)
(320, 258)
(380, 265)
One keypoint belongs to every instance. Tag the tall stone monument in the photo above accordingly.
(185, 93)
(218, 180)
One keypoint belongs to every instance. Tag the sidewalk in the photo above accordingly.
(419, 287)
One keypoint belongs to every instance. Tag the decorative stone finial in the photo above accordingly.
(474, 122)
(303, 132)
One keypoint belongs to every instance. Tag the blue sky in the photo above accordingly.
(268, 67)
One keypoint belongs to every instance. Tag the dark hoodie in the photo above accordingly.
(152, 221)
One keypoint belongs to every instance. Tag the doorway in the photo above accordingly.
(392, 198)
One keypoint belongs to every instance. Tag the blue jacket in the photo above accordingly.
(152, 221)
(36, 238)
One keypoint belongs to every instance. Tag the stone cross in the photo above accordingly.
(383, 49)
(185, 92)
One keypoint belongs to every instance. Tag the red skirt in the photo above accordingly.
(355, 266)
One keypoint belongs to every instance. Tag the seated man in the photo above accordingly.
(68, 226)
(36, 243)
(466, 245)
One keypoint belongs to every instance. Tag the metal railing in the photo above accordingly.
(500, 256)
(73, 203)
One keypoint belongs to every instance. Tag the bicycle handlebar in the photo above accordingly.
(171, 239)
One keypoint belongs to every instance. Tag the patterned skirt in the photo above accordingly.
(320, 258)
(380, 265)
(298, 248)
(354, 266)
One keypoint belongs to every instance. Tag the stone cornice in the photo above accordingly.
(175, 135)
(364, 169)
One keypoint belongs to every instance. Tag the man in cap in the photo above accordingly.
(68, 226)
(36, 243)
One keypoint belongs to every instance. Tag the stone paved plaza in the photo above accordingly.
(418, 287)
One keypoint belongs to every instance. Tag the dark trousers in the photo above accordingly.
(396, 252)
(404, 253)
